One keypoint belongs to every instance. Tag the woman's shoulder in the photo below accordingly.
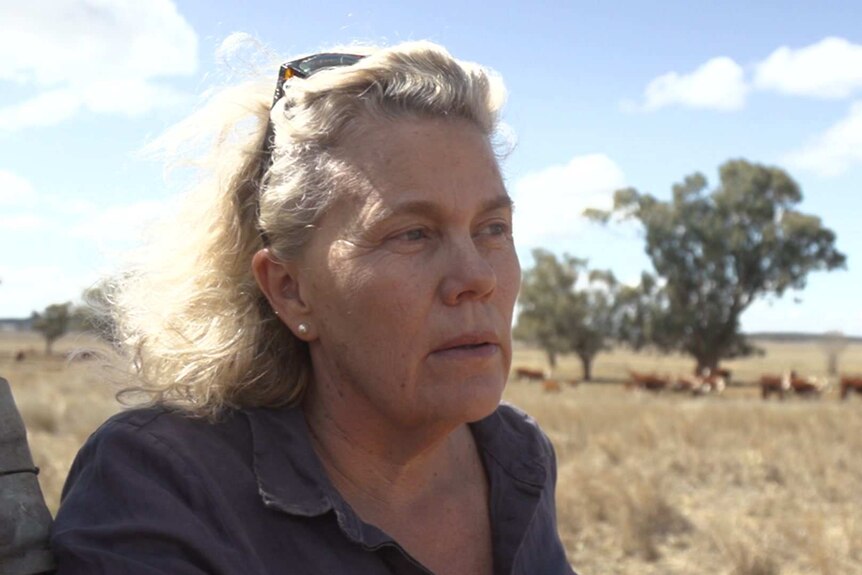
(166, 434)
(169, 478)
(513, 439)
(514, 420)
(153, 418)
(171, 424)
(517, 417)
(157, 449)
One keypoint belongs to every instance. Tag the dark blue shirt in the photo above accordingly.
(155, 491)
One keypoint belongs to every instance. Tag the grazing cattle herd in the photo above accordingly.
(704, 382)
(708, 382)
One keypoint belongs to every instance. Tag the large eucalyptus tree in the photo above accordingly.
(717, 251)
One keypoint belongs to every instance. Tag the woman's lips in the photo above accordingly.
(468, 351)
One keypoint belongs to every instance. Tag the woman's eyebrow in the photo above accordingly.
(424, 207)
(503, 201)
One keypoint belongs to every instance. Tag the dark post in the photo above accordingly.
(25, 521)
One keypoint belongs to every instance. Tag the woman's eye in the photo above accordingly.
(497, 229)
(414, 235)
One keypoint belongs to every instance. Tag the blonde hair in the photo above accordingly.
(200, 333)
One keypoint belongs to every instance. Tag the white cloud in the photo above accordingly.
(64, 41)
(107, 56)
(17, 193)
(25, 209)
(719, 84)
(15, 190)
(67, 206)
(836, 150)
(127, 97)
(831, 68)
(46, 109)
(82, 235)
(549, 203)
(117, 226)
(21, 223)
(28, 289)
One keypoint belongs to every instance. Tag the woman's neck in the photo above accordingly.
(425, 487)
(384, 465)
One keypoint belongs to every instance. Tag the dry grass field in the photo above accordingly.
(648, 484)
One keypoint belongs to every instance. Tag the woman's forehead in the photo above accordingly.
(384, 147)
(419, 166)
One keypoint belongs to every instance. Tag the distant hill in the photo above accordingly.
(790, 336)
(780, 337)
(10, 324)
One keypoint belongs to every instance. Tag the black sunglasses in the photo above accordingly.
(300, 68)
(305, 67)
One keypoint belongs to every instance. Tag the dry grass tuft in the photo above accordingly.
(749, 561)
(39, 416)
(648, 519)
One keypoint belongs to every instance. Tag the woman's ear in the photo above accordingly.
(279, 282)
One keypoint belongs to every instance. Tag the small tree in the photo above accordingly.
(53, 323)
(547, 303)
(597, 302)
(559, 317)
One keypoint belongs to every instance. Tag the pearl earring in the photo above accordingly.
(302, 328)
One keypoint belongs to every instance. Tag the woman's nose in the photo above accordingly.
(469, 275)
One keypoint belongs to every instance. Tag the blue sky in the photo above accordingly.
(600, 97)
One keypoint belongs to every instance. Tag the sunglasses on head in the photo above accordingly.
(302, 68)
(299, 68)
(310, 65)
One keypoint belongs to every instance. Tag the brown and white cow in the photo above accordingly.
(713, 374)
(647, 381)
(685, 384)
(551, 386)
(704, 383)
(850, 384)
(713, 381)
(810, 387)
(774, 384)
(529, 374)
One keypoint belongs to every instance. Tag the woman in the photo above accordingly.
(325, 349)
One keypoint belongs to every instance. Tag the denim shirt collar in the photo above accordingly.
(502, 443)
(289, 474)
(291, 477)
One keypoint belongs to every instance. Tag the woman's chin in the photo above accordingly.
(475, 399)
